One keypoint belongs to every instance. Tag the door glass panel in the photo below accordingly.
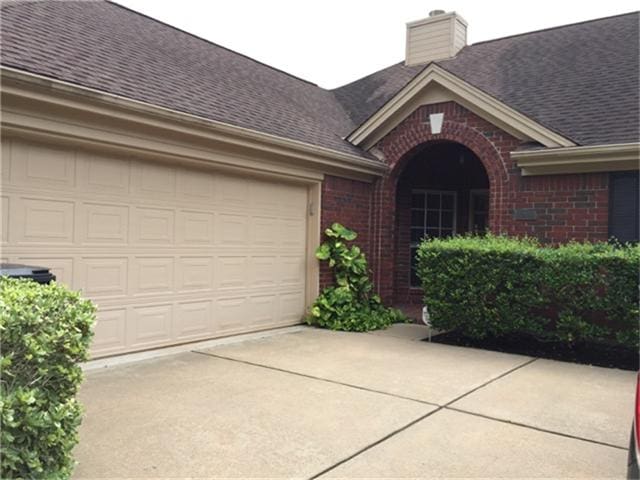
(416, 235)
(433, 232)
(433, 201)
(417, 218)
(433, 215)
(433, 219)
(417, 200)
(479, 213)
(447, 219)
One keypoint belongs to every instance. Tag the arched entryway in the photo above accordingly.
(443, 190)
(470, 153)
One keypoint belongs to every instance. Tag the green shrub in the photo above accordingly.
(495, 285)
(350, 304)
(46, 331)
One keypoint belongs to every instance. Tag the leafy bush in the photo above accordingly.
(495, 285)
(46, 331)
(350, 304)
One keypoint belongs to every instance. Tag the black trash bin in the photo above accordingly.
(37, 274)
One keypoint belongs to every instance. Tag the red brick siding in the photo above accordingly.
(566, 206)
(349, 203)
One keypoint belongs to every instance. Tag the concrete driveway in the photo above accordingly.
(320, 404)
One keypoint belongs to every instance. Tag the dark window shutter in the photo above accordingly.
(623, 206)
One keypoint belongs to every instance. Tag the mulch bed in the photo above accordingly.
(585, 353)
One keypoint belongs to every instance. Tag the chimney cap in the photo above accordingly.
(434, 13)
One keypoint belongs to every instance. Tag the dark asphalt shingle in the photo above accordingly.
(107, 47)
(580, 80)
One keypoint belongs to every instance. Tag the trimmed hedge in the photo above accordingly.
(496, 285)
(46, 331)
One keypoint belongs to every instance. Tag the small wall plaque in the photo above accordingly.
(524, 214)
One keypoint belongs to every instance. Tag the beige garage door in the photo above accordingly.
(170, 254)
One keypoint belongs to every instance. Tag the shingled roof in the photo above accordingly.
(108, 47)
(580, 80)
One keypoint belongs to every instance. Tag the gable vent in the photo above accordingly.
(439, 36)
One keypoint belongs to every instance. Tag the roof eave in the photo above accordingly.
(312, 156)
(580, 159)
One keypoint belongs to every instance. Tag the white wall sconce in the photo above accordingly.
(435, 120)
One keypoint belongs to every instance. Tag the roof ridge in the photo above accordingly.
(112, 2)
(532, 32)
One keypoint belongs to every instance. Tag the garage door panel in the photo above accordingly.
(195, 273)
(232, 229)
(230, 272)
(262, 310)
(230, 313)
(4, 236)
(194, 320)
(296, 203)
(149, 326)
(195, 228)
(169, 254)
(265, 231)
(232, 192)
(196, 185)
(152, 275)
(153, 226)
(292, 306)
(61, 267)
(43, 166)
(265, 197)
(292, 270)
(46, 221)
(293, 234)
(153, 180)
(110, 331)
(100, 276)
(103, 223)
(5, 158)
(263, 271)
(103, 174)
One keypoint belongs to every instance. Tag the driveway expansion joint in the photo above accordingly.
(313, 377)
(389, 435)
(538, 429)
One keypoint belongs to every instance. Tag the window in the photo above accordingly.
(623, 206)
(433, 214)
(478, 210)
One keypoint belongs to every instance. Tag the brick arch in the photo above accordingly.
(486, 141)
(419, 134)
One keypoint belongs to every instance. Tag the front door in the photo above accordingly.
(433, 215)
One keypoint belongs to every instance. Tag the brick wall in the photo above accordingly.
(555, 208)
(564, 207)
(347, 202)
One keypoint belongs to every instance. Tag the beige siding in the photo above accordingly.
(460, 36)
(170, 254)
(434, 38)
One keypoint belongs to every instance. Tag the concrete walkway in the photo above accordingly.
(320, 404)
